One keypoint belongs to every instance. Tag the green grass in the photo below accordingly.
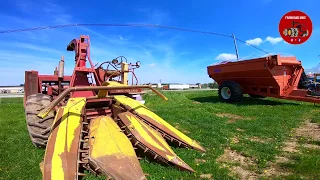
(268, 119)
(19, 159)
(315, 116)
(306, 164)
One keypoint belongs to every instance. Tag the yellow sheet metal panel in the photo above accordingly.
(124, 69)
(107, 138)
(157, 121)
(148, 134)
(111, 150)
(114, 84)
(103, 93)
(61, 157)
(151, 140)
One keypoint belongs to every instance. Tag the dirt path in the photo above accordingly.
(245, 167)
(309, 132)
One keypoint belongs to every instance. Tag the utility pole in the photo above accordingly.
(235, 46)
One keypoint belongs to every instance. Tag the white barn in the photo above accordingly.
(11, 89)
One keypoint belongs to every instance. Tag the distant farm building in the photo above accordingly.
(11, 89)
(174, 86)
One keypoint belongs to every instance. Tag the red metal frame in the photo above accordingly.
(35, 83)
(48, 84)
(273, 76)
(80, 73)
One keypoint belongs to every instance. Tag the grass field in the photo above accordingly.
(257, 138)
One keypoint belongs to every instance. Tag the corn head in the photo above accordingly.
(91, 121)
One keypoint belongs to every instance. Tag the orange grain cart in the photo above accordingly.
(165, 87)
(272, 76)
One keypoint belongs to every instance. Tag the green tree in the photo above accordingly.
(205, 85)
(213, 85)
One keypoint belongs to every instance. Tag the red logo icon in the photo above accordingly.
(295, 27)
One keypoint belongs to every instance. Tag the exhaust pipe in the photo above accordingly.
(60, 74)
(61, 68)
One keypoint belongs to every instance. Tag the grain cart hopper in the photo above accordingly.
(273, 76)
(84, 126)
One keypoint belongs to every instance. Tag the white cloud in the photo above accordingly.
(256, 41)
(14, 64)
(152, 65)
(259, 41)
(34, 47)
(122, 38)
(273, 40)
(226, 57)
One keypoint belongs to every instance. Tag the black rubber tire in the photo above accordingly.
(39, 129)
(236, 91)
(254, 96)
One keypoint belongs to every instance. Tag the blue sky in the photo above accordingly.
(172, 56)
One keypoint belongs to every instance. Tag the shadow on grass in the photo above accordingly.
(245, 101)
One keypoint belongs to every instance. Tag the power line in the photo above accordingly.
(113, 24)
(127, 25)
(37, 28)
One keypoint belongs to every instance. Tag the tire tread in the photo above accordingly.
(37, 127)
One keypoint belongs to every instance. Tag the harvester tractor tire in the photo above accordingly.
(39, 129)
(230, 91)
(254, 96)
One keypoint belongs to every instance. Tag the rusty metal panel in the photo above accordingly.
(31, 85)
(116, 110)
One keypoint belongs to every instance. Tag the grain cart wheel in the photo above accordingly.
(230, 91)
(39, 129)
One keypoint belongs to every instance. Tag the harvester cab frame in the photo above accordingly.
(93, 124)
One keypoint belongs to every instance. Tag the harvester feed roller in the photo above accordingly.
(107, 144)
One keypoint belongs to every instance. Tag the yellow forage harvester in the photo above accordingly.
(94, 121)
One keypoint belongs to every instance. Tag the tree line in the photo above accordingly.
(213, 85)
